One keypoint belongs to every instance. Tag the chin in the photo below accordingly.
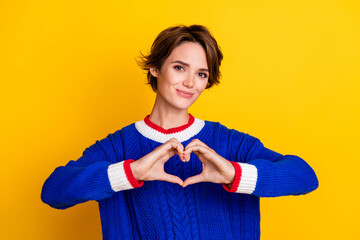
(181, 106)
(184, 104)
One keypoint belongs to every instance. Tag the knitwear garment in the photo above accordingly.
(132, 209)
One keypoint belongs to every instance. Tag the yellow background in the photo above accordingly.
(290, 77)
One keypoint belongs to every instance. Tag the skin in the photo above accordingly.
(171, 110)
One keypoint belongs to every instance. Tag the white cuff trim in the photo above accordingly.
(248, 178)
(117, 177)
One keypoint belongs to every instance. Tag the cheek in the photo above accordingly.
(202, 86)
(175, 78)
(171, 78)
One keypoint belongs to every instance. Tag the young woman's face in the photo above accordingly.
(183, 76)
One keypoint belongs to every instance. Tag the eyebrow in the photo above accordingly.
(186, 64)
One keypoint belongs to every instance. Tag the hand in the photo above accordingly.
(216, 169)
(151, 166)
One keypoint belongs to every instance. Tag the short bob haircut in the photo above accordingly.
(170, 38)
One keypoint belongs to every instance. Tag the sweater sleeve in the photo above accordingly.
(96, 175)
(266, 173)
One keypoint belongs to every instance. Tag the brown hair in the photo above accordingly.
(170, 38)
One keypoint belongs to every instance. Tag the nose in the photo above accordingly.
(189, 81)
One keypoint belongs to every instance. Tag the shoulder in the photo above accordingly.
(221, 129)
(111, 143)
(231, 135)
(117, 134)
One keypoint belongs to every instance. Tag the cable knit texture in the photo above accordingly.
(163, 210)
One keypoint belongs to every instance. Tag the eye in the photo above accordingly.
(203, 75)
(177, 67)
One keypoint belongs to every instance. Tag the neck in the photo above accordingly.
(167, 117)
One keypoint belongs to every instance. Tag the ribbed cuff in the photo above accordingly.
(129, 174)
(235, 184)
(245, 178)
(248, 178)
(121, 177)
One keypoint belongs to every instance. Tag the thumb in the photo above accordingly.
(194, 179)
(171, 178)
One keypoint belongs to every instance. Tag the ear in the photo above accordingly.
(154, 71)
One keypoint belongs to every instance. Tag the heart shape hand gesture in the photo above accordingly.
(216, 169)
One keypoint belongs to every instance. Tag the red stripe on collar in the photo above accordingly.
(170, 130)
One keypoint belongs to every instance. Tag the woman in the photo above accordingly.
(172, 175)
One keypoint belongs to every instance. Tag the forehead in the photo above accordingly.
(189, 52)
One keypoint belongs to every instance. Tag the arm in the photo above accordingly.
(265, 173)
(96, 175)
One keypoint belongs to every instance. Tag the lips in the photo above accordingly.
(184, 93)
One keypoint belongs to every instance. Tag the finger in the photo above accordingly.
(196, 142)
(165, 155)
(171, 178)
(194, 179)
(195, 149)
(180, 150)
(170, 146)
(208, 155)
(203, 153)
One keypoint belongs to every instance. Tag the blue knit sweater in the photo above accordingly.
(161, 210)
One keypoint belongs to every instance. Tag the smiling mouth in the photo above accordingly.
(184, 94)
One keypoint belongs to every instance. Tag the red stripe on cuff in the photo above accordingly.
(236, 182)
(129, 175)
